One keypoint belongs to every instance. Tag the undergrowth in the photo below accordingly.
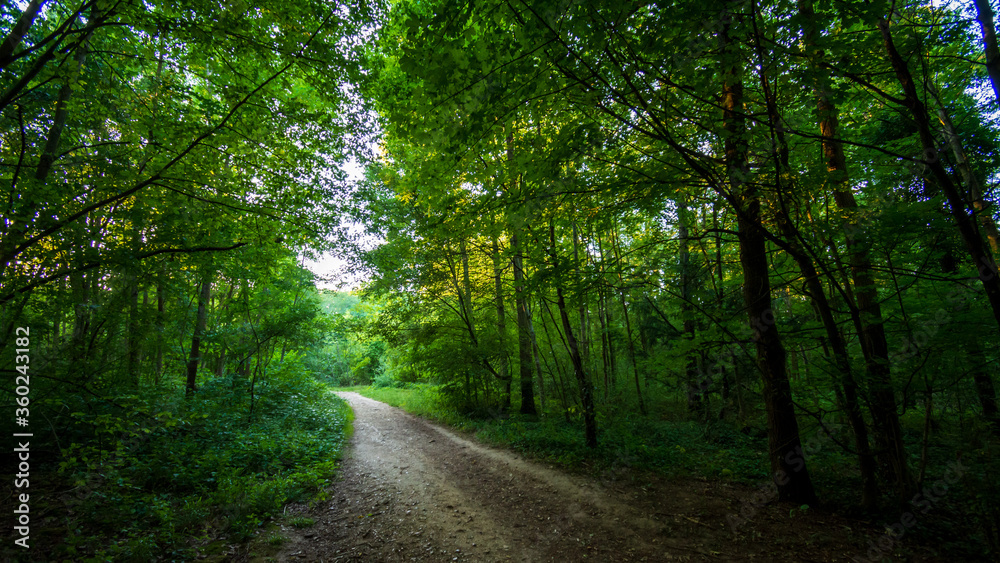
(163, 475)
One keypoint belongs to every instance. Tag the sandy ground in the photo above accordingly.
(414, 491)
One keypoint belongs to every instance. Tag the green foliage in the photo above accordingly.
(177, 470)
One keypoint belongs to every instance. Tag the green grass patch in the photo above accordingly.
(302, 522)
(420, 399)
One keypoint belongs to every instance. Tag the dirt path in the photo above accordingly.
(414, 491)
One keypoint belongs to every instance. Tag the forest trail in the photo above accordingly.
(414, 491)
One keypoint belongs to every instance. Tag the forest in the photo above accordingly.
(754, 242)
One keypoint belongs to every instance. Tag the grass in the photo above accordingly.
(302, 522)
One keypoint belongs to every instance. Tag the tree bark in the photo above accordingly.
(788, 467)
(538, 366)
(503, 365)
(160, 330)
(194, 358)
(586, 390)
(16, 35)
(695, 402)
(866, 309)
(61, 111)
(974, 189)
(520, 300)
(985, 388)
(978, 254)
(523, 331)
(984, 13)
(628, 323)
(133, 341)
(584, 339)
(814, 289)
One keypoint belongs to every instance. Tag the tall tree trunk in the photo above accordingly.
(974, 189)
(610, 367)
(788, 467)
(16, 35)
(204, 295)
(465, 297)
(978, 253)
(520, 295)
(133, 340)
(628, 322)
(695, 396)
(503, 365)
(586, 389)
(584, 339)
(80, 291)
(984, 13)
(62, 110)
(985, 389)
(866, 310)
(555, 357)
(605, 364)
(816, 293)
(134, 336)
(538, 365)
(523, 330)
(160, 329)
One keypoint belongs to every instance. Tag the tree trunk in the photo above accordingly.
(586, 390)
(984, 211)
(80, 291)
(538, 365)
(628, 323)
(555, 359)
(985, 389)
(604, 309)
(16, 35)
(978, 254)
(465, 300)
(695, 402)
(787, 464)
(984, 13)
(199, 331)
(520, 297)
(816, 293)
(523, 331)
(503, 367)
(866, 312)
(133, 340)
(160, 330)
(584, 339)
(61, 111)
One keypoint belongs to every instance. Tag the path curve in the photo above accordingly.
(412, 490)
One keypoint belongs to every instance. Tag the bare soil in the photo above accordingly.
(415, 491)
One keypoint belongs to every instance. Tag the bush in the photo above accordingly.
(170, 469)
